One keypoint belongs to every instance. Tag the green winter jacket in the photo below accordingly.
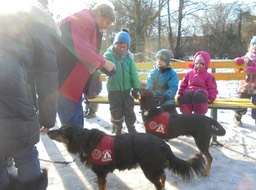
(126, 76)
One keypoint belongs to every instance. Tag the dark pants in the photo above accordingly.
(253, 100)
(121, 108)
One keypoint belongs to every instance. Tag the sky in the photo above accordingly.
(65, 7)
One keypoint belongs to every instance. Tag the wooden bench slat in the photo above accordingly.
(218, 76)
(224, 103)
(185, 65)
(145, 67)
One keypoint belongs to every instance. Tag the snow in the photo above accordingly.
(233, 167)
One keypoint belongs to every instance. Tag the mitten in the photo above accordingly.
(108, 73)
(135, 93)
(162, 99)
(239, 60)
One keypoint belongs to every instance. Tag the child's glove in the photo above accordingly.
(239, 60)
(108, 73)
(162, 99)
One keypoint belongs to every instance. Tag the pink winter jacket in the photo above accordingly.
(248, 85)
(195, 80)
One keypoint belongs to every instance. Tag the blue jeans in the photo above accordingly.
(70, 112)
(27, 163)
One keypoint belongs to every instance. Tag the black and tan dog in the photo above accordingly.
(104, 153)
(167, 126)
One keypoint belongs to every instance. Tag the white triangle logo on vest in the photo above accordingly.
(106, 156)
(160, 128)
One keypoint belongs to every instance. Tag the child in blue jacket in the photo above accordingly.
(163, 81)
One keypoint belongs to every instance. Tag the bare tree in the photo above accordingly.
(137, 16)
(224, 29)
(187, 11)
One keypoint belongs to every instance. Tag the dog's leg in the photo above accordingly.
(209, 162)
(162, 180)
(155, 177)
(102, 182)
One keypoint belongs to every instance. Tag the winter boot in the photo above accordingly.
(117, 129)
(237, 120)
(90, 114)
(131, 129)
(39, 183)
(117, 120)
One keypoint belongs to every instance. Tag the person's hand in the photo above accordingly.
(239, 60)
(109, 68)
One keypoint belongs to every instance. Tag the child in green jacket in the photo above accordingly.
(120, 84)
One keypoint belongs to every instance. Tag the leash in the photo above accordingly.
(57, 161)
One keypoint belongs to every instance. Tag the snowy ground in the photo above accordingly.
(233, 168)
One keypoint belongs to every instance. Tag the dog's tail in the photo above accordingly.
(187, 168)
(217, 128)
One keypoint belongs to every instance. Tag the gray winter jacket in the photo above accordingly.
(28, 81)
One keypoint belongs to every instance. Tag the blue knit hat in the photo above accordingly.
(253, 41)
(164, 55)
(122, 36)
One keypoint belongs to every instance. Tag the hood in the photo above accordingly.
(206, 56)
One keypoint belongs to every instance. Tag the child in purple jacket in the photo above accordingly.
(198, 88)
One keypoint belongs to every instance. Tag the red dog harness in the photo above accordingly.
(159, 124)
(104, 152)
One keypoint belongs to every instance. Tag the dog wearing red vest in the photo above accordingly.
(166, 126)
(104, 153)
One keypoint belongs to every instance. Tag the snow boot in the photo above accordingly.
(131, 129)
(237, 120)
(40, 183)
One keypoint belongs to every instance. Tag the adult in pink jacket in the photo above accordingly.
(78, 58)
(198, 88)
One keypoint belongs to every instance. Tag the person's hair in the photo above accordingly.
(106, 10)
(252, 48)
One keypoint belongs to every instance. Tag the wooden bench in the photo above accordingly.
(223, 70)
